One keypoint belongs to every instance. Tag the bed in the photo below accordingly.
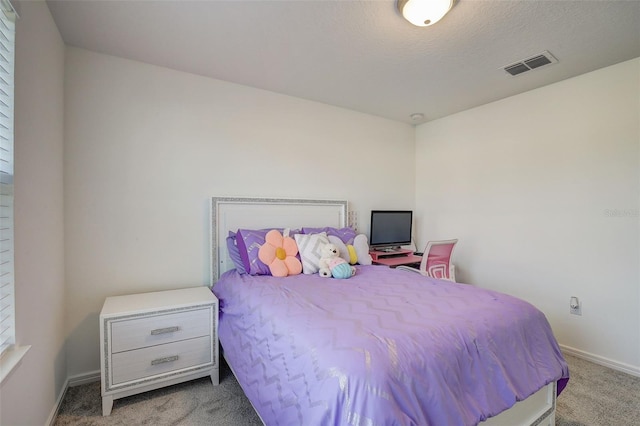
(384, 347)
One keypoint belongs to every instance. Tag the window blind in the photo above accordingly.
(7, 281)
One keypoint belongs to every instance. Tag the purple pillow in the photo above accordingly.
(234, 253)
(346, 235)
(249, 242)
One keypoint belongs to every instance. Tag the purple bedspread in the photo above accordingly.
(384, 347)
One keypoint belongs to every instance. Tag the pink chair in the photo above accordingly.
(436, 260)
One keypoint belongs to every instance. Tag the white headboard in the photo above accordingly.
(233, 213)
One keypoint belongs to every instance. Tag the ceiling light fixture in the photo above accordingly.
(423, 13)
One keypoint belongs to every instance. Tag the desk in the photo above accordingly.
(395, 258)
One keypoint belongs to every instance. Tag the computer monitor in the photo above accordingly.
(390, 229)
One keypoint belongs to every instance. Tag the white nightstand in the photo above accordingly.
(151, 340)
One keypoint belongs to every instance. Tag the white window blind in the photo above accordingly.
(7, 54)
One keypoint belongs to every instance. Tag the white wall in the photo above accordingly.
(29, 394)
(531, 185)
(146, 147)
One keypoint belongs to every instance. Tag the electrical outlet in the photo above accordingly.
(575, 307)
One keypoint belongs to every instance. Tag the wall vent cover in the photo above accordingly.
(537, 61)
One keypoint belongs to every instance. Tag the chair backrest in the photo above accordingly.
(436, 260)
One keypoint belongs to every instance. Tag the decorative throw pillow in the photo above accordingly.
(346, 234)
(310, 247)
(234, 253)
(249, 242)
(279, 254)
(361, 246)
(358, 252)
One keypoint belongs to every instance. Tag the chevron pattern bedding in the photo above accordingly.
(385, 347)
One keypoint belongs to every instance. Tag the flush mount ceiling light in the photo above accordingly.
(423, 13)
(417, 116)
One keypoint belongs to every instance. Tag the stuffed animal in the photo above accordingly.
(357, 252)
(332, 265)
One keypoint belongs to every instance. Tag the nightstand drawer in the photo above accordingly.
(138, 364)
(160, 329)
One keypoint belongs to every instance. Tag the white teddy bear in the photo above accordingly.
(332, 265)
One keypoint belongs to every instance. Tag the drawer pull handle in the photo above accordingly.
(164, 330)
(165, 359)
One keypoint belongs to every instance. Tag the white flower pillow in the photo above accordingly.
(358, 252)
(310, 248)
(361, 247)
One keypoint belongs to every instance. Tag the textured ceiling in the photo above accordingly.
(361, 55)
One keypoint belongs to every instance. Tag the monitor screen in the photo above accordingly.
(390, 228)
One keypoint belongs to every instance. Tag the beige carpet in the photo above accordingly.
(595, 396)
(196, 402)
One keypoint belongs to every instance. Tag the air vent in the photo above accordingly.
(531, 63)
(516, 69)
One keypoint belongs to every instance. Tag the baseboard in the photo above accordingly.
(83, 379)
(78, 380)
(54, 412)
(600, 360)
